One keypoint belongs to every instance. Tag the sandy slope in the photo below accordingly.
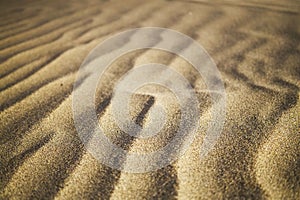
(256, 46)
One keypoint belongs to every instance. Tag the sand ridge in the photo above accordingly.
(256, 46)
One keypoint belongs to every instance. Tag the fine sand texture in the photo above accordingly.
(256, 47)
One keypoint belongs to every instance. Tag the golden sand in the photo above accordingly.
(256, 46)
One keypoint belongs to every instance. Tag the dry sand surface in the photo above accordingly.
(256, 46)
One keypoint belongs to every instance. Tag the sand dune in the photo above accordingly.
(256, 46)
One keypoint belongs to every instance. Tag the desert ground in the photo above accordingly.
(256, 47)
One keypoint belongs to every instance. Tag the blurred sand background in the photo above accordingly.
(256, 46)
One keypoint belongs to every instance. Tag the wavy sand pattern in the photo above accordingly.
(256, 46)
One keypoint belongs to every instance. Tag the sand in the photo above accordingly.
(256, 46)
